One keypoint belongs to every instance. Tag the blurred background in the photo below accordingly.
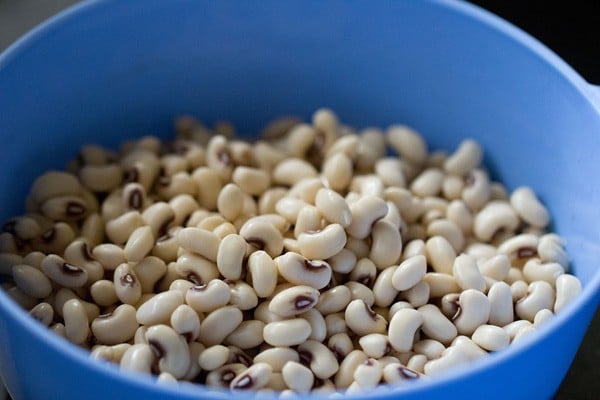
(571, 29)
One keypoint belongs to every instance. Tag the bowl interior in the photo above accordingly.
(100, 78)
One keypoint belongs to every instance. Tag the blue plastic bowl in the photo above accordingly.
(107, 70)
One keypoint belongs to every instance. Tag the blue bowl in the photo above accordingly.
(107, 70)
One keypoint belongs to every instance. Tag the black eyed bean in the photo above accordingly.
(407, 143)
(473, 311)
(297, 377)
(255, 377)
(43, 312)
(365, 212)
(362, 320)
(294, 301)
(170, 348)
(288, 332)
(127, 285)
(63, 273)
(159, 308)
(334, 300)
(116, 327)
(31, 281)
(219, 324)
(213, 357)
(76, 320)
(139, 357)
(567, 288)
(222, 377)
(345, 374)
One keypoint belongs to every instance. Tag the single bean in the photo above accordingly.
(255, 377)
(294, 301)
(139, 357)
(360, 291)
(253, 181)
(263, 271)
(473, 311)
(201, 241)
(345, 374)
(337, 170)
(149, 271)
(43, 312)
(365, 212)
(297, 377)
(340, 344)
(230, 256)
(63, 273)
(298, 270)
(467, 156)
(541, 317)
(362, 320)
(343, 262)
(186, 322)
(386, 245)
(494, 217)
(116, 327)
(410, 272)
(263, 235)
(501, 304)
(334, 300)
(109, 255)
(171, 349)
(368, 374)
(491, 337)
(529, 208)
(213, 357)
(390, 171)
(159, 308)
(477, 190)
(222, 377)
(452, 187)
(568, 288)
(76, 321)
(375, 345)
(467, 273)
(440, 254)
(309, 220)
(540, 295)
(428, 183)
(31, 281)
(127, 285)
(383, 288)
(534, 270)
(322, 244)
(291, 170)
(119, 229)
(436, 325)
(242, 295)
(407, 143)
(196, 268)
(403, 327)
(551, 249)
(396, 373)
(287, 333)
(417, 295)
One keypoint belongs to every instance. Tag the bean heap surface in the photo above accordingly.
(317, 258)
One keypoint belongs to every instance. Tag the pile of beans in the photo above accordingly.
(317, 258)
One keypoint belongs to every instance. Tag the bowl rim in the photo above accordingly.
(590, 293)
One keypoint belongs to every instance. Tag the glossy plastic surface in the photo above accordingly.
(108, 70)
